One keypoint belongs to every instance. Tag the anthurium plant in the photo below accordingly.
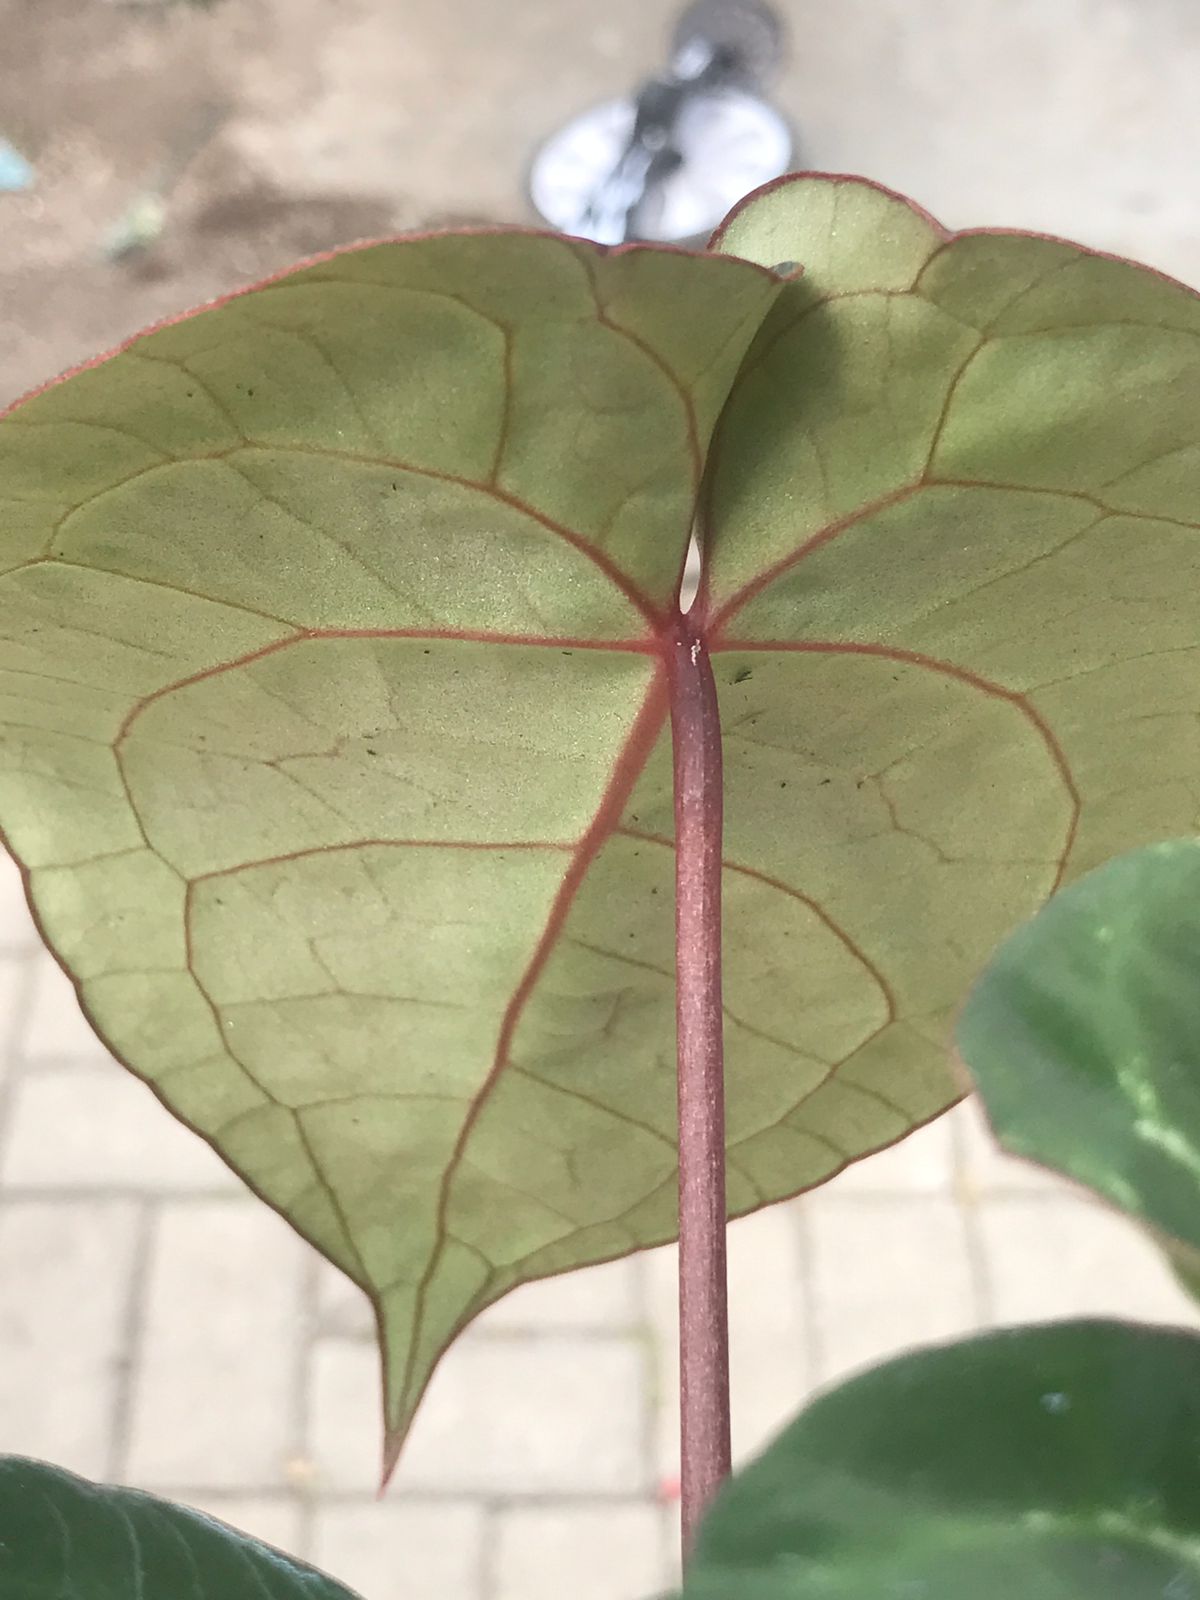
(387, 795)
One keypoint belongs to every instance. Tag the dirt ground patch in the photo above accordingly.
(344, 119)
(299, 125)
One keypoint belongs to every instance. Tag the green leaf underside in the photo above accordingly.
(1055, 1463)
(1096, 1003)
(62, 1538)
(335, 743)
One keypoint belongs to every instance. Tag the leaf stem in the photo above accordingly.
(703, 1294)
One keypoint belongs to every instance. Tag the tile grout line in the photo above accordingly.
(99, 1060)
(813, 1345)
(133, 1339)
(13, 1042)
(68, 1194)
(302, 1494)
(489, 1549)
(486, 1500)
(941, 1191)
(652, 1405)
(966, 1199)
(645, 1333)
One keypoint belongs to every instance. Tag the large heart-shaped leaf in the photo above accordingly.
(1051, 1463)
(62, 1538)
(1083, 1037)
(333, 690)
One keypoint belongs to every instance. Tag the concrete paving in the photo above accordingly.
(157, 1325)
(160, 1327)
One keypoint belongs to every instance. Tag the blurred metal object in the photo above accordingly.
(669, 163)
(746, 33)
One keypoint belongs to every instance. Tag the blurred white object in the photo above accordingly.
(668, 163)
(730, 142)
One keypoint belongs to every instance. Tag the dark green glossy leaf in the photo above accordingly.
(1083, 1036)
(1051, 1463)
(62, 1538)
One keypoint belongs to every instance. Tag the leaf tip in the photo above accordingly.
(393, 1443)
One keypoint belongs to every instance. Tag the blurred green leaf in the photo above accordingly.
(62, 1538)
(1051, 1463)
(1083, 1036)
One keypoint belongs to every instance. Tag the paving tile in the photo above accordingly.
(17, 931)
(65, 1273)
(344, 1412)
(1067, 1256)
(588, 1553)
(984, 1169)
(673, 1522)
(403, 1552)
(662, 1333)
(922, 1163)
(88, 1126)
(768, 1358)
(603, 1297)
(886, 1273)
(555, 1414)
(273, 1519)
(55, 1028)
(15, 977)
(343, 1310)
(215, 1401)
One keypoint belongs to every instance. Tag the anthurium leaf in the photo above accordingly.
(1083, 1037)
(1059, 1462)
(62, 1538)
(333, 683)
